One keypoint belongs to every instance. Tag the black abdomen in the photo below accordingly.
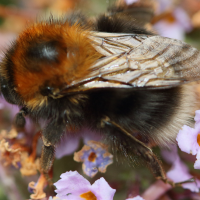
(142, 111)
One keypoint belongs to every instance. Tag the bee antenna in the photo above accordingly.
(20, 121)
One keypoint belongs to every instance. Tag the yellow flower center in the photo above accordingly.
(88, 196)
(198, 139)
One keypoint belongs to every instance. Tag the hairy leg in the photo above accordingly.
(138, 148)
(131, 147)
(51, 135)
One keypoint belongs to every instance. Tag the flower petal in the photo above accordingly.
(55, 198)
(38, 188)
(187, 140)
(197, 116)
(128, 2)
(191, 186)
(197, 162)
(163, 6)
(102, 190)
(179, 173)
(170, 155)
(136, 198)
(183, 19)
(67, 146)
(72, 185)
(171, 30)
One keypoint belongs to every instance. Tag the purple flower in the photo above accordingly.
(179, 171)
(73, 186)
(189, 139)
(175, 24)
(95, 157)
(136, 198)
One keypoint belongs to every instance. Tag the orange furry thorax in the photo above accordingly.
(74, 56)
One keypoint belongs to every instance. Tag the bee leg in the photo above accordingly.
(46, 162)
(51, 136)
(19, 121)
(107, 121)
(149, 157)
(153, 164)
(141, 150)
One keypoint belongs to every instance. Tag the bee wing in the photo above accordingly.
(135, 61)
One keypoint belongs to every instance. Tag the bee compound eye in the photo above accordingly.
(46, 91)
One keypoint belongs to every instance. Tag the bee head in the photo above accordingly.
(47, 57)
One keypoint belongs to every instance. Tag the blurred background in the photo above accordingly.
(178, 19)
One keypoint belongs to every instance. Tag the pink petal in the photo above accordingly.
(170, 155)
(191, 186)
(136, 198)
(197, 162)
(183, 19)
(197, 116)
(163, 5)
(55, 198)
(179, 173)
(128, 2)
(102, 190)
(71, 186)
(172, 158)
(171, 30)
(187, 140)
(156, 190)
(67, 146)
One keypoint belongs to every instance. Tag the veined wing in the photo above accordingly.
(135, 61)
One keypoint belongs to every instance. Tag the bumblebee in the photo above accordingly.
(110, 75)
